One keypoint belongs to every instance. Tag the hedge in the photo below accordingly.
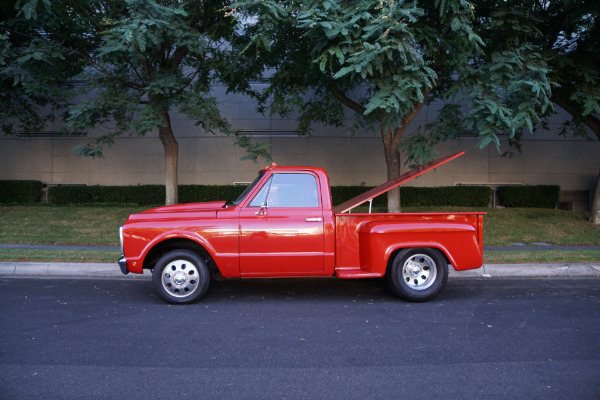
(20, 192)
(27, 192)
(538, 196)
(140, 195)
(463, 196)
(340, 194)
(410, 196)
(458, 196)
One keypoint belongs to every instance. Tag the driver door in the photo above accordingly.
(281, 228)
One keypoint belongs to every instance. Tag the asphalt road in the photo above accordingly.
(300, 339)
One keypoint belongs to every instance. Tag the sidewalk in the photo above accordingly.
(111, 270)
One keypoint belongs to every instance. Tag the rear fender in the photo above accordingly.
(379, 240)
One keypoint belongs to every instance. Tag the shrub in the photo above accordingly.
(340, 194)
(539, 196)
(140, 195)
(79, 194)
(20, 192)
(465, 196)
(459, 196)
(200, 193)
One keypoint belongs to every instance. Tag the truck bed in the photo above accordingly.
(366, 242)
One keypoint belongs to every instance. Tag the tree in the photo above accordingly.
(385, 60)
(571, 30)
(140, 60)
(567, 34)
(34, 65)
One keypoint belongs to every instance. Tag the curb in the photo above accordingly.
(560, 270)
(50, 269)
(111, 270)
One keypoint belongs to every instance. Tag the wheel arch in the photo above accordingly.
(393, 252)
(178, 243)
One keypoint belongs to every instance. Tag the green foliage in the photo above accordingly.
(461, 196)
(540, 196)
(139, 195)
(384, 60)
(135, 61)
(566, 36)
(340, 194)
(253, 150)
(200, 193)
(150, 59)
(34, 64)
(80, 194)
(379, 58)
(456, 196)
(420, 146)
(20, 192)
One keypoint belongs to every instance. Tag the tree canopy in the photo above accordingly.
(496, 66)
(385, 60)
(567, 35)
(34, 64)
(139, 61)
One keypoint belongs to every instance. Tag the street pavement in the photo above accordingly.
(300, 339)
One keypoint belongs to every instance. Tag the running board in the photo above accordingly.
(355, 273)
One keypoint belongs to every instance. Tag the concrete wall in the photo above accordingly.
(572, 163)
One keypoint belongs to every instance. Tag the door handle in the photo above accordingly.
(314, 219)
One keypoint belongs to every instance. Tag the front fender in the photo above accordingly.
(137, 247)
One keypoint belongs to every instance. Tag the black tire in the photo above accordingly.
(181, 277)
(418, 274)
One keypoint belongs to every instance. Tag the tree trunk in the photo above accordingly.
(391, 138)
(596, 204)
(171, 157)
(391, 141)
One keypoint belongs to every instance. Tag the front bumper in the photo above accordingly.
(123, 265)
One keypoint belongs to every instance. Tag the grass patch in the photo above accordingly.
(99, 226)
(533, 225)
(21, 255)
(542, 256)
(504, 226)
(63, 225)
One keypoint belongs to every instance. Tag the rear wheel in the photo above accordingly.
(418, 274)
(180, 277)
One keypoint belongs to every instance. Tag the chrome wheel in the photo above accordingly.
(419, 272)
(180, 278)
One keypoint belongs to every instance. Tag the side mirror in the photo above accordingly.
(263, 210)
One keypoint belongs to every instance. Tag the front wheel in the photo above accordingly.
(418, 274)
(180, 277)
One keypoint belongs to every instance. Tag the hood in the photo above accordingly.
(405, 177)
(190, 207)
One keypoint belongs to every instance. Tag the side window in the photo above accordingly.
(288, 190)
(261, 196)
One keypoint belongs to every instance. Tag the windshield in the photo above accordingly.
(248, 189)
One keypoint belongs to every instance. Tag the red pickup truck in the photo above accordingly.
(284, 225)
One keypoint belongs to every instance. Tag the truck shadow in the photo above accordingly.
(322, 289)
(301, 289)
